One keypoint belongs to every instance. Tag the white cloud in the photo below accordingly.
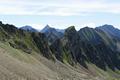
(38, 26)
(92, 25)
(57, 7)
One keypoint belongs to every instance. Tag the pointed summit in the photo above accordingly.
(71, 28)
(45, 29)
(70, 31)
(47, 26)
(52, 34)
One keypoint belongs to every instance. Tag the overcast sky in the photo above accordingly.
(60, 13)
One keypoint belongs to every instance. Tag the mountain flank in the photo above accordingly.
(87, 54)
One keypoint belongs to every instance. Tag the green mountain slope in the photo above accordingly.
(89, 46)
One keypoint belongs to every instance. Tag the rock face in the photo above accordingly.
(73, 44)
(42, 44)
(26, 41)
(89, 35)
(89, 45)
(109, 29)
(52, 34)
(57, 49)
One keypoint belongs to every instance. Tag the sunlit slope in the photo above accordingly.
(17, 65)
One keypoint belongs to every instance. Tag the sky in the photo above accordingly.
(60, 13)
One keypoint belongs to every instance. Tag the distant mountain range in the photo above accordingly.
(98, 46)
(47, 28)
(52, 34)
(98, 42)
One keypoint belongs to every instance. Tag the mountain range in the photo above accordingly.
(52, 34)
(53, 54)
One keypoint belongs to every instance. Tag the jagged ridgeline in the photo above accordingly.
(25, 40)
(87, 46)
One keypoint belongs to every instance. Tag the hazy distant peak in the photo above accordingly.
(28, 28)
(46, 28)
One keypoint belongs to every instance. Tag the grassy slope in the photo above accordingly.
(107, 75)
(17, 65)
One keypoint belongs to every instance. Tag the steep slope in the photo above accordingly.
(73, 44)
(97, 50)
(17, 65)
(68, 47)
(87, 46)
(26, 55)
(113, 34)
(26, 41)
(52, 34)
(89, 35)
(42, 44)
(110, 30)
(77, 55)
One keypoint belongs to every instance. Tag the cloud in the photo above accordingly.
(38, 26)
(58, 7)
(92, 25)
